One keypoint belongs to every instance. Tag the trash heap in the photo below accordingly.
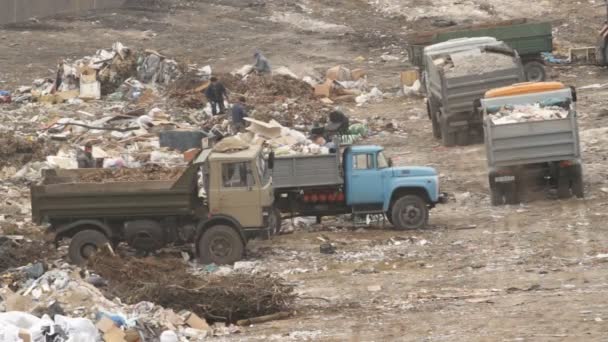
(132, 299)
(526, 113)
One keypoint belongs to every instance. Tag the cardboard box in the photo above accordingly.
(338, 73)
(114, 335)
(90, 91)
(358, 74)
(197, 323)
(24, 335)
(105, 324)
(191, 154)
(324, 90)
(408, 77)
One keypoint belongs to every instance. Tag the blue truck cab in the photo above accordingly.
(404, 193)
(358, 180)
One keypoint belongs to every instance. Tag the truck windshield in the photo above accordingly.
(382, 161)
(262, 170)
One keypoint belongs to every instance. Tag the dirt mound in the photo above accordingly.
(187, 91)
(166, 282)
(17, 150)
(146, 173)
(15, 254)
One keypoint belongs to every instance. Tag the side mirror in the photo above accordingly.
(271, 160)
(390, 162)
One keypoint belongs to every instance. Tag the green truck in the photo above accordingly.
(528, 38)
(217, 203)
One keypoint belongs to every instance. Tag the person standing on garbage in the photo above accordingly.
(261, 65)
(239, 113)
(215, 93)
(85, 158)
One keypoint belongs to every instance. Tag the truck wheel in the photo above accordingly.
(511, 195)
(496, 196)
(275, 221)
(220, 245)
(447, 139)
(563, 186)
(462, 138)
(535, 71)
(436, 129)
(578, 187)
(410, 212)
(432, 109)
(84, 244)
(389, 217)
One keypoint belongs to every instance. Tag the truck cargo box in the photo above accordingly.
(307, 170)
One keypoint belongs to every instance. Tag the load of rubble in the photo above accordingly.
(526, 113)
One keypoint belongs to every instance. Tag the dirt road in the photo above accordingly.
(534, 272)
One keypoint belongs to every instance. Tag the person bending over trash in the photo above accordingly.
(261, 65)
(85, 158)
(239, 113)
(215, 93)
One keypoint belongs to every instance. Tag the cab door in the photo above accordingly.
(240, 193)
(366, 184)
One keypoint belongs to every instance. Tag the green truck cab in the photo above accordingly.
(218, 203)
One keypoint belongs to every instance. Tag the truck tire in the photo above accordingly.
(410, 212)
(563, 186)
(431, 108)
(496, 197)
(447, 139)
(512, 194)
(578, 187)
(220, 245)
(462, 138)
(535, 71)
(275, 221)
(84, 244)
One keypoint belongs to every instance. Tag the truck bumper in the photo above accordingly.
(443, 198)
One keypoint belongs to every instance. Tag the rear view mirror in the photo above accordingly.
(271, 160)
(390, 162)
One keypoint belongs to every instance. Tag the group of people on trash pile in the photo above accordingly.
(216, 93)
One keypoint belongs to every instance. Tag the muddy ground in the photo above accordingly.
(533, 272)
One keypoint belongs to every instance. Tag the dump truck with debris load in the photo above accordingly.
(529, 38)
(532, 140)
(355, 180)
(218, 202)
(456, 79)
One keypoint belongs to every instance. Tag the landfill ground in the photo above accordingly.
(531, 272)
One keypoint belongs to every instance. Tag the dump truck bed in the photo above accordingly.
(533, 141)
(525, 36)
(62, 195)
(306, 171)
(459, 93)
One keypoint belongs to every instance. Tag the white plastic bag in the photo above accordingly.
(78, 329)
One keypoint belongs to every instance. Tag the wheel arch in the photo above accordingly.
(70, 229)
(408, 190)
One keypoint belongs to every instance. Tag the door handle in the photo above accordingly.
(355, 176)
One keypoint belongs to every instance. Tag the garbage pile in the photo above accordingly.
(526, 113)
(166, 282)
(132, 299)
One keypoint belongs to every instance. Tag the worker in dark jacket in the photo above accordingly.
(215, 93)
(85, 158)
(239, 113)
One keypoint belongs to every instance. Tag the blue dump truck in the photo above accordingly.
(356, 180)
